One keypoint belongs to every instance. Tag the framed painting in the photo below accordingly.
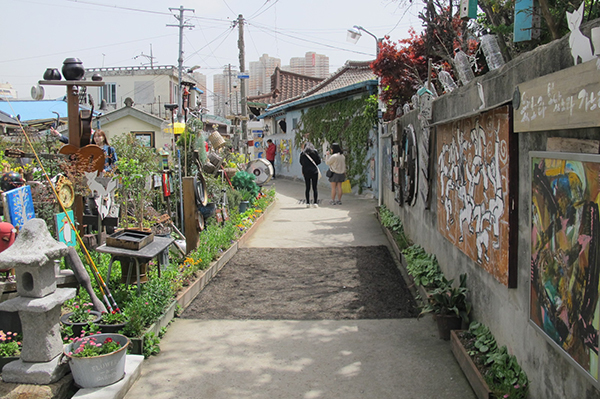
(64, 229)
(18, 206)
(565, 249)
(476, 198)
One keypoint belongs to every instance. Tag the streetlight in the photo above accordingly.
(352, 36)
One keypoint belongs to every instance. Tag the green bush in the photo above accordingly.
(423, 267)
(244, 181)
(393, 223)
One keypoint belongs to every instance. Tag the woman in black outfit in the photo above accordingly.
(309, 159)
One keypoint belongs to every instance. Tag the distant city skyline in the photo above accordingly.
(140, 32)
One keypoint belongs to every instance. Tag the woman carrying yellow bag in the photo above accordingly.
(337, 164)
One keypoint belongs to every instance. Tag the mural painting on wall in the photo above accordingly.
(285, 152)
(406, 168)
(473, 188)
(565, 232)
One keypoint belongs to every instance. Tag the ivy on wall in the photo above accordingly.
(347, 122)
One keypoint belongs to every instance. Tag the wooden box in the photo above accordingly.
(130, 239)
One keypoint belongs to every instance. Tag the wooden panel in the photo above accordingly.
(474, 204)
(567, 99)
(190, 214)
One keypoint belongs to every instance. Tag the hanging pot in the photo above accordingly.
(73, 69)
(52, 74)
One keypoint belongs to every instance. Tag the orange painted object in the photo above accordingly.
(8, 234)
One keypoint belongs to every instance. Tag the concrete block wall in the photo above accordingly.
(504, 310)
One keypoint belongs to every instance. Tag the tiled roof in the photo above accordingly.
(351, 73)
(285, 85)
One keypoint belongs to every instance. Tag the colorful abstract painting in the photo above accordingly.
(64, 229)
(473, 189)
(18, 206)
(565, 232)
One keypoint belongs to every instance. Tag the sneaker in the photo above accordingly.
(315, 205)
(338, 202)
(308, 205)
(332, 202)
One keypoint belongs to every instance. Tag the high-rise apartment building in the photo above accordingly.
(226, 89)
(201, 80)
(260, 74)
(312, 64)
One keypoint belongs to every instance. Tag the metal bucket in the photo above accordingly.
(216, 140)
(99, 371)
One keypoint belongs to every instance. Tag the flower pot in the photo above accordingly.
(78, 326)
(99, 371)
(447, 322)
(244, 206)
(111, 328)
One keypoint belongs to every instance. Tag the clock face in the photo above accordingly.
(66, 195)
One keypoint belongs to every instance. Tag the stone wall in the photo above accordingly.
(505, 310)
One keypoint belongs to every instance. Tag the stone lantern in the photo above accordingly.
(38, 302)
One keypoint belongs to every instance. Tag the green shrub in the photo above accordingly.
(244, 181)
(423, 267)
(392, 222)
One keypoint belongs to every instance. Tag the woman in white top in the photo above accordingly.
(337, 164)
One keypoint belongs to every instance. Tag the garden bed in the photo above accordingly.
(468, 367)
(185, 297)
(410, 281)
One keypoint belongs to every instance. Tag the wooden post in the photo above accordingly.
(73, 110)
(190, 214)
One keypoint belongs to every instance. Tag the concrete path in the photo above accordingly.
(225, 359)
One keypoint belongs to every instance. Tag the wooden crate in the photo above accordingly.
(130, 239)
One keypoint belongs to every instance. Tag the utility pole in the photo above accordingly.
(181, 25)
(240, 24)
(229, 83)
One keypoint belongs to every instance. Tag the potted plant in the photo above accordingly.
(246, 198)
(10, 347)
(97, 360)
(80, 316)
(450, 306)
(112, 322)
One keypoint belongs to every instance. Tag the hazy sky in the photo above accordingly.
(39, 34)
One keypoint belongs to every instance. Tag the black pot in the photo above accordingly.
(111, 328)
(73, 69)
(52, 74)
(97, 77)
(77, 327)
